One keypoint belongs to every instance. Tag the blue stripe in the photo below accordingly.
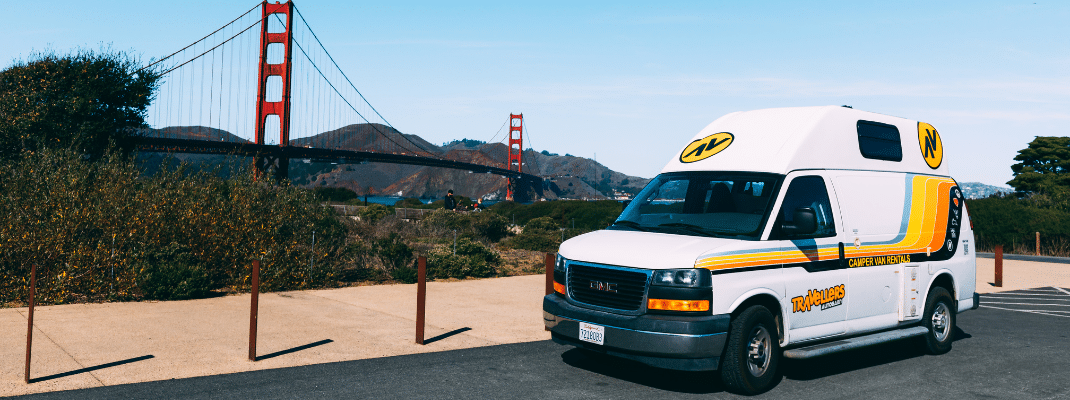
(907, 206)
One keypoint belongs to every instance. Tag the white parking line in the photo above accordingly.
(1020, 294)
(1026, 311)
(1061, 290)
(1064, 298)
(1045, 290)
(1026, 304)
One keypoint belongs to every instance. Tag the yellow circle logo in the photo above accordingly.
(703, 148)
(931, 147)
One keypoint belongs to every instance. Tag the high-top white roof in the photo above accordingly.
(781, 140)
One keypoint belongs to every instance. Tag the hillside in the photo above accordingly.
(977, 190)
(568, 177)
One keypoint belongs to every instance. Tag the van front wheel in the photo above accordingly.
(752, 352)
(940, 319)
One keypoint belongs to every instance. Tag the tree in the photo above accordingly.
(1043, 167)
(85, 101)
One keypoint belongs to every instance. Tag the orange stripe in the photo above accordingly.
(940, 225)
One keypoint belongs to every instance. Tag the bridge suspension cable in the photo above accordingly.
(211, 49)
(211, 90)
(319, 71)
(201, 39)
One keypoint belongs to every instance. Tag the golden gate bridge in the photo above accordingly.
(264, 86)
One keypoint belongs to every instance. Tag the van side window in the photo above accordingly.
(807, 192)
(879, 141)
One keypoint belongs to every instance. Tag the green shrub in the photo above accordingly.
(543, 241)
(472, 259)
(393, 251)
(488, 225)
(169, 273)
(542, 224)
(492, 226)
(410, 202)
(95, 227)
(405, 274)
(173, 281)
(373, 213)
(1009, 221)
(586, 215)
(334, 194)
(447, 219)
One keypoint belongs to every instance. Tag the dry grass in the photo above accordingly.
(1053, 247)
(521, 262)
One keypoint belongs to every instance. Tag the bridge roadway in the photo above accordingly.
(168, 145)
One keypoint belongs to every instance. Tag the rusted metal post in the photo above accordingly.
(549, 276)
(549, 273)
(255, 277)
(999, 266)
(1038, 243)
(421, 297)
(29, 319)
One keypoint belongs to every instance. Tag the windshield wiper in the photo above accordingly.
(688, 227)
(631, 224)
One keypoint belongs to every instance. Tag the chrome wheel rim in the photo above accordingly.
(759, 349)
(941, 322)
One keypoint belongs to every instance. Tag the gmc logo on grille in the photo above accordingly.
(604, 286)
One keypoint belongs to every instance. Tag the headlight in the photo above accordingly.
(694, 277)
(559, 275)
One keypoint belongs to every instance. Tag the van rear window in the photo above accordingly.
(879, 141)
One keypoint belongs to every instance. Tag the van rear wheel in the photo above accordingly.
(752, 353)
(939, 317)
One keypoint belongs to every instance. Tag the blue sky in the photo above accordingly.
(633, 81)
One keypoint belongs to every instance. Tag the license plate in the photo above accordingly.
(592, 333)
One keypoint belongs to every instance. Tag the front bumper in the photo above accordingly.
(687, 343)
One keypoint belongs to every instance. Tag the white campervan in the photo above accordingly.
(793, 232)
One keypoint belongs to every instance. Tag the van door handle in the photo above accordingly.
(843, 257)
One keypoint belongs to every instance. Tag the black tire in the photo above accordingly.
(939, 317)
(741, 372)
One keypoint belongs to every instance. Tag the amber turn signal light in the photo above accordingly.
(559, 288)
(678, 305)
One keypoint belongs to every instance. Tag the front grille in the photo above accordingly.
(630, 287)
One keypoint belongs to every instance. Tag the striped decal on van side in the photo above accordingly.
(931, 212)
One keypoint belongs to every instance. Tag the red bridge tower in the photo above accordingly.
(516, 150)
(274, 13)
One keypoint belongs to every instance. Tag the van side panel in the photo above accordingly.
(731, 289)
(872, 204)
(902, 223)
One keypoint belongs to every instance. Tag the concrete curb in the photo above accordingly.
(1023, 257)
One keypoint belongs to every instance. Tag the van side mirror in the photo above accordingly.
(626, 203)
(805, 223)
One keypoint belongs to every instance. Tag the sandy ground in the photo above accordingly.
(1021, 275)
(89, 345)
(178, 339)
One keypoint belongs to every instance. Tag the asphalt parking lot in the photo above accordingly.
(1015, 346)
(1052, 301)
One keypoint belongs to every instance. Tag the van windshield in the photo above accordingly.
(721, 204)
